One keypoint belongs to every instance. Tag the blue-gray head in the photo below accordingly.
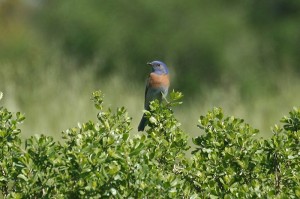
(159, 67)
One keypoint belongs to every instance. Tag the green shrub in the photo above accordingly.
(102, 160)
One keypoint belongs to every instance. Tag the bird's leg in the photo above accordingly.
(162, 94)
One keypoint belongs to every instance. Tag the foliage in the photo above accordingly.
(223, 52)
(102, 160)
(238, 165)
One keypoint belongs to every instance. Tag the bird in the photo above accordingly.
(156, 87)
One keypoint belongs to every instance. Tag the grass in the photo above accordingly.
(54, 98)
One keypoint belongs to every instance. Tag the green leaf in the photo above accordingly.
(20, 117)
(138, 148)
(153, 120)
(22, 176)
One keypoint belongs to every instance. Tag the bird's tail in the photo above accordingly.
(142, 124)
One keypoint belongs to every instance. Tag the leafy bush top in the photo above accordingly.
(102, 160)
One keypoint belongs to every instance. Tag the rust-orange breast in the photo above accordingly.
(156, 81)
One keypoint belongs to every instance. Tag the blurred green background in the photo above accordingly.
(240, 55)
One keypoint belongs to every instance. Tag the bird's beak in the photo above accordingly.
(149, 63)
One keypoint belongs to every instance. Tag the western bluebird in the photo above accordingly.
(157, 87)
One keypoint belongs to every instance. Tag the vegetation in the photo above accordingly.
(239, 55)
(100, 159)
